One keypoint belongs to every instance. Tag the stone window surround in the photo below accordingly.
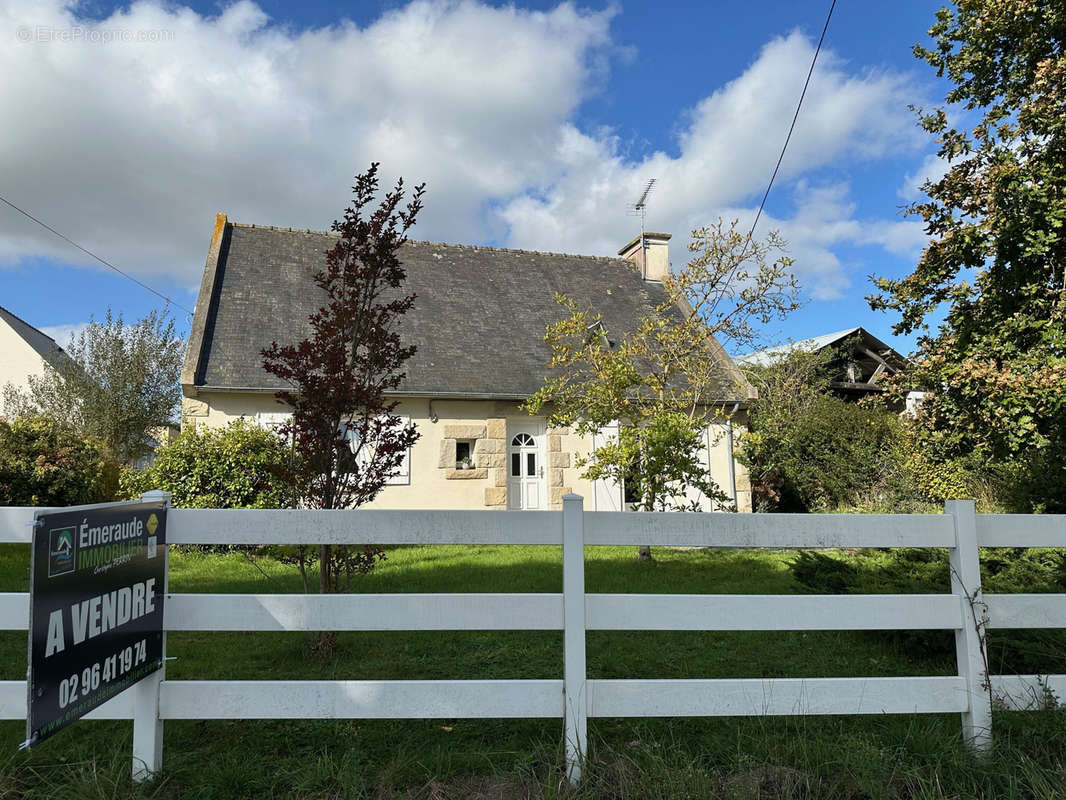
(488, 455)
(490, 459)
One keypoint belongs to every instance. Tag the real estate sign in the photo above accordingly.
(97, 581)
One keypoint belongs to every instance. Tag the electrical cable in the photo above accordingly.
(795, 117)
(90, 253)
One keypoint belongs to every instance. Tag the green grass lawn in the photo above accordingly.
(904, 756)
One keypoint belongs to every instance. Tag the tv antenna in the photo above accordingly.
(640, 209)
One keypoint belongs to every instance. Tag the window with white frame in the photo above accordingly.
(272, 420)
(402, 476)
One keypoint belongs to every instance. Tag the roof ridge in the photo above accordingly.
(281, 228)
(516, 250)
(437, 244)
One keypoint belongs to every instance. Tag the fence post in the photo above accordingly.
(147, 726)
(970, 649)
(575, 698)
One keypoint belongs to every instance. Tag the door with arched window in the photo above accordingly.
(525, 470)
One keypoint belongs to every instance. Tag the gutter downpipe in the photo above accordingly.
(732, 461)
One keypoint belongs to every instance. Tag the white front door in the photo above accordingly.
(525, 470)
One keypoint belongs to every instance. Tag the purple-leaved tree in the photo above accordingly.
(346, 437)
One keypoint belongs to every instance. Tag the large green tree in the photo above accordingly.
(120, 382)
(661, 382)
(995, 369)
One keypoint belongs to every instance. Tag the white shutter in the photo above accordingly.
(607, 494)
(402, 476)
(403, 472)
(705, 503)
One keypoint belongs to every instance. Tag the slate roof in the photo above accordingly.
(478, 320)
(43, 344)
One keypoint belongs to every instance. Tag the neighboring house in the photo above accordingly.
(478, 324)
(859, 365)
(24, 351)
(157, 437)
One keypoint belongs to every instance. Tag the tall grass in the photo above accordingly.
(919, 756)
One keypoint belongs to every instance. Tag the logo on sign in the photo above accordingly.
(60, 551)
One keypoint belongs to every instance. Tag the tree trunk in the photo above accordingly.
(327, 640)
(324, 583)
(644, 551)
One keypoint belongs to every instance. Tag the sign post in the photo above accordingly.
(97, 584)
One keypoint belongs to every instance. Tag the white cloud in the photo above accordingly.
(63, 334)
(825, 219)
(131, 147)
(726, 154)
(905, 238)
(933, 168)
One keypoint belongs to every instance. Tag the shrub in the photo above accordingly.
(231, 467)
(45, 464)
(825, 455)
(921, 570)
(1035, 485)
(809, 450)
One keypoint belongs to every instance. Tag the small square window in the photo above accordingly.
(464, 454)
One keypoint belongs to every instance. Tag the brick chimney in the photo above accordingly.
(653, 259)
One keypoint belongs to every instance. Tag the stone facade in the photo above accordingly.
(556, 494)
(558, 462)
(192, 410)
(492, 454)
(454, 474)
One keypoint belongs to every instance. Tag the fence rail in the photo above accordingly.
(575, 697)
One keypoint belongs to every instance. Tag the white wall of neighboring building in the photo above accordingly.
(913, 401)
(433, 482)
(18, 361)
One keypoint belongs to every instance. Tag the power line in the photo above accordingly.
(106, 263)
(795, 116)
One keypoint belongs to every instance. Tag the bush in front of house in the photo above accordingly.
(43, 463)
(232, 467)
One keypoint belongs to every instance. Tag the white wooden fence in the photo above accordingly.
(575, 697)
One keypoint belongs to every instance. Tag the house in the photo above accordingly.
(24, 351)
(859, 364)
(478, 325)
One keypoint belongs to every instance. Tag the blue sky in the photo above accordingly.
(533, 124)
